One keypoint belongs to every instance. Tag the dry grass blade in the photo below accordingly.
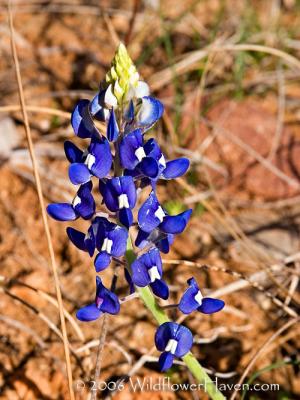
(191, 60)
(42, 204)
(261, 350)
(45, 110)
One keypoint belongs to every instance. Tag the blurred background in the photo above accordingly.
(228, 72)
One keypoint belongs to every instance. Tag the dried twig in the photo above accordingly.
(42, 204)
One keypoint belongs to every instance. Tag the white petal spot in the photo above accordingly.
(153, 273)
(76, 201)
(142, 89)
(107, 245)
(140, 153)
(123, 201)
(109, 98)
(159, 213)
(198, 298)
(145, 112)
(171, 346)
(90, 161)
(162, 161)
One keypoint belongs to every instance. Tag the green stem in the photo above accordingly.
(189, 359)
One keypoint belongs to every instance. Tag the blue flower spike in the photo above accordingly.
(173, 340)
(193, 299)
(147, 270)
(105, 302)
(123, 163)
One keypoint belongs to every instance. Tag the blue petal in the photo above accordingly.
(77, 238)
(86, 208)
(140, 274)
(210, 306)
(82, 122)
(165, 243)
(97, 108)
(176, 168)
(109, 196)
(149, 167)
(119, 237)
(73, 153)
(164, 333)
(129, 281)
(102, 227)
(102, 261)
(112, 132)
(100, 149)
(175, 223)
(90, 242)
(153, 258)
(160, 288)
(128, 146)
(128, 187)
(110, 302)
(186, 215)
(79, 173)
(129, 113)
(152, 149)
(188, 303)
(88, 313)
(165, 361)
(150, 111)
(185, 341)
(146, 216)
(142, 239)
(114, 187)
(125, 217)
(61, 211)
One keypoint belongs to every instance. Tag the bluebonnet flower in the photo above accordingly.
(119, 195)
(147, 159)
(108, 238)
(162, 240)
(147, 270)
(105, 302)
(173, 340)
(151, 215)
(83, 205)
(192, 300)
(82, 122)
(96, 161)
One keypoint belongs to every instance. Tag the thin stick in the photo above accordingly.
(280, 114)
(261, 350)
(99, 353)
(41, 201)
